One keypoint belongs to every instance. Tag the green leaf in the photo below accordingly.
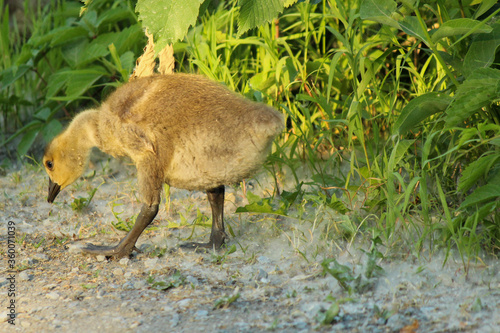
(260, 205)
(57, 81)
(73, 52)
(419, 109)
(485, 6)
(68, 34)
(341, 273)
(50, 130)
(27, 141)
(482, 51)
(59, 36)
(128, 38)
(459, 26)
(411, 25)
(167, 20)
(479, 196)
(12, 74)
(114, 15)
(77, 82)
(380, 11)
(31, 126)
(254, 13)
(400, 151)
(476, 92)
(475, 170)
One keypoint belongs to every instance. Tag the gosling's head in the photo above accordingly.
(64, 162)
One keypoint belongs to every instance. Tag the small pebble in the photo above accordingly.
(201, 313)
(25, 323)
(262, 276)
(134, 324)
(151, 263)
(42, 256)
(124, 261)
(397, 322)
(100, 258)
(184, 303)
(175, 320)
(192, 280)
(27, 262)
(117, 271)
(263, 260)
(52, 295)
(24, 276)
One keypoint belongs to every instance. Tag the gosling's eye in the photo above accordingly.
(50, 165)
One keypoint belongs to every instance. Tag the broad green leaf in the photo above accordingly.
(400, 151)
(419, 109)
(59, 36)
(260, 205)
(485, 6)
(27, 140)
(114, 15)
(12, 74)
(254, 13)
(482, 51)
(479, 90)
(50, 130)
(77, 82)
(129, 37)
(128, 61)
(167, 20)
(73, 52)
(380, 11)
(81, 81)
(31, 126)
(459, 26)
(92, 52)
(484, 193)
(68, 34)
(475, 170)
(412, 26)
(57, 81)
(495, 142)
(43, 114)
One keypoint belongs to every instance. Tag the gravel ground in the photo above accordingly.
(273, 281)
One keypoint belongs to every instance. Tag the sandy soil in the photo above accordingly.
(273, 281)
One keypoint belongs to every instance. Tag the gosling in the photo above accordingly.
(179, 129)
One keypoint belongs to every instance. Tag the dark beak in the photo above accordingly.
(53, 191)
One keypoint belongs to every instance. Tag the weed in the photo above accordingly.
(80, 204)
(173, 281)
(120, 224)
(221, 259)
(327, 317)
(225, 302)
(345, 276)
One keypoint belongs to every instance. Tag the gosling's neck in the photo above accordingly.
(83, 130)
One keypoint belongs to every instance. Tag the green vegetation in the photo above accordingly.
(175, 280)
(393, 121)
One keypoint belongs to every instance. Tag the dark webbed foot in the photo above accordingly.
(116, 251)
(216, 242)
(218, 235)
(127, 244)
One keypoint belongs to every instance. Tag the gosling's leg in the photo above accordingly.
(127, 244)
(218, 234)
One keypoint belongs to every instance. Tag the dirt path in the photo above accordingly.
(272, 281)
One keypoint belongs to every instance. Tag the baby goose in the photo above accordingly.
(179, 129)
